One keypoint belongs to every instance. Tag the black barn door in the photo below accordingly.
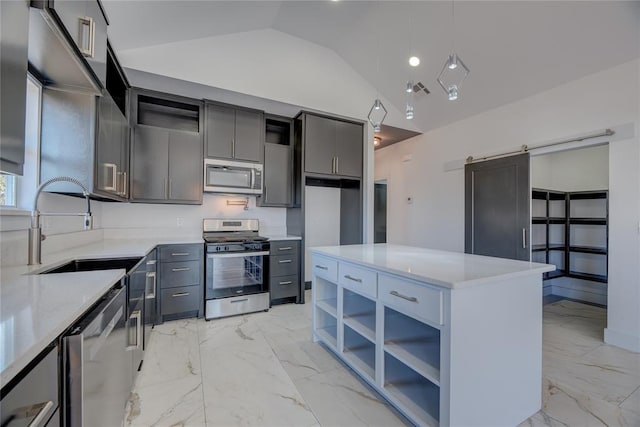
(497, 207)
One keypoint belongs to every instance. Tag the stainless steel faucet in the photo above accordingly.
(35, 232)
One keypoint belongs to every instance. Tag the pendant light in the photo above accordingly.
(378, 112)
(414, 61)
(454, 70)
(409, 109)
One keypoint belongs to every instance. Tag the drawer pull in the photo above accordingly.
(180, 294)
(284, 261)
(239, 300)
(286, 282)
(180, 254)
(322, 267)
(152, 262)
(181, 269)
(399, 295)
(355, 279)
(285, 248)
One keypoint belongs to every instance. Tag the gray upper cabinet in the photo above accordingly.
(320, 135)
(277, 175)
(14, 26)
(348, 149)
(332, 147)
(166, 162)
(149, 163)
(185, 179)
(86, 24)
(112, 146)
(234, 133)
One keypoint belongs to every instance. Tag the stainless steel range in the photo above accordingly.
(236, 270)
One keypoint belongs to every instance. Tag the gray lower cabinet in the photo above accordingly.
(14, 26)
(284, 271)
(332, 146)
(180, 279)
(34, 399)
(233, 133)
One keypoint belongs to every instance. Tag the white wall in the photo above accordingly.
(436, 216)
(572, 170)
(268, 64)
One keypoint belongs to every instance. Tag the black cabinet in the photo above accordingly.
(181, 275)
(278, 163)
(86, 25)
(234, 133)
(166, 163)
(14, 25)
(332, 146)
(284, 271)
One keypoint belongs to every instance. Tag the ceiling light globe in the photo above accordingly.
(453, 92)
(414, 61)
(452, 62)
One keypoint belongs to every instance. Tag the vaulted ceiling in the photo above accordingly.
(514, 48)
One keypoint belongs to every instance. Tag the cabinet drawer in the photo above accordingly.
(284, 265)
(414, 299)
(358, 279)
(285, 247)
(184, 273)
(324, 267)
(180, 300)
(39, 387)
(284, 286)
(172, 253)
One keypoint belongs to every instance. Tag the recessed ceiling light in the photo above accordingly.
(414, 61)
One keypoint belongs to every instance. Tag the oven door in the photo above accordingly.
(223, 176)
(236, 274)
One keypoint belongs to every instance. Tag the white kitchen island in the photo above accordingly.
(447, 338)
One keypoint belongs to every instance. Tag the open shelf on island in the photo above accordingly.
(359, 313)
(326, 328)
(413, 343)
(329, 305)
(411, 392)
(360, 352)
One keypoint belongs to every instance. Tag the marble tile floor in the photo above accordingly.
(263, 369)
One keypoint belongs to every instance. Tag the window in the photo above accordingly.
(7, 190)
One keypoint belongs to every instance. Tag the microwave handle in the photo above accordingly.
(253, 178)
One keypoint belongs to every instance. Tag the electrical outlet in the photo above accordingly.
(179, 222)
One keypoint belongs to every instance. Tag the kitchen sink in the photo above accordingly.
(94, 264)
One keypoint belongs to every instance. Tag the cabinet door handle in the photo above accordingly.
(286, 282)
(233, 148)
(110, 175)
(87, 36)
(333, 165)
(399, 295)
(125, 185)
(152, 275)
(337, 165)
(170, 182)
(166, 184)
(355, 279)
(322, 267)
(181, 269)
(180, 254)
(285, 248)
(40, 418)
(180, 294)
(284, 261)
(524, 238)
(239, 300)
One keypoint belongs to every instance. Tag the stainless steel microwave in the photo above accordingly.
(226, 176)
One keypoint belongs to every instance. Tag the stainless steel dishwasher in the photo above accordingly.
(97, 366)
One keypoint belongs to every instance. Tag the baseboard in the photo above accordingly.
(623, 340)
(580, 295)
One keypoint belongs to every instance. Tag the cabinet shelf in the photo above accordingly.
(364, 324)
(588, 195)
(359, 313)
(588, 276)
(360, 352)
(589, 250)
(588, 221)
(411, 392)
(550, 220)
(329, 306)
(328, 336)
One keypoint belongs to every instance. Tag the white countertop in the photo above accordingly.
(35, 309)
(448, 269)
(281, 236)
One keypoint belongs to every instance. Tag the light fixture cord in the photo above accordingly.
(453, 26)
(378, 53)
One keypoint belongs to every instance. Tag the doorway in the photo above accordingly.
(570, 222)
(380, 212)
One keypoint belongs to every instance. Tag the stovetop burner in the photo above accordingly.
(230, 235)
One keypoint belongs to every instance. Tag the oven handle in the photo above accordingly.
(237, 254)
